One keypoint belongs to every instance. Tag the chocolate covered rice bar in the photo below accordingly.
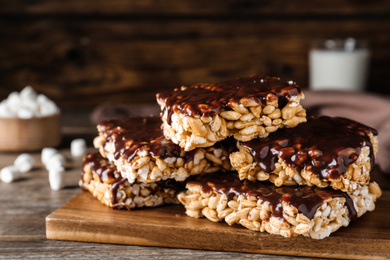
(325, 151)
(102, 179)
(287, 211)
(141, 153)
(203, 114)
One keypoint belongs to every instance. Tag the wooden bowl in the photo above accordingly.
(19, 135)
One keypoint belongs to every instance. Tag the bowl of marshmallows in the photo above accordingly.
(28, 122)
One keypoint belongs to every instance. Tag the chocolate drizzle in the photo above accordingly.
(306, 199)
(325, 146)
(107, 173)
(209, 99)
(135, 134)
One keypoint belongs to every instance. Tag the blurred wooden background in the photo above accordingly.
(84, 52)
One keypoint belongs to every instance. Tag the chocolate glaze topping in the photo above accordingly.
(324, 145)
(133, 134)
(306, 199)
(208, 99)
(104, 170)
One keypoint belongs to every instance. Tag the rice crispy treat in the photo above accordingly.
(287, 211)
(325, 151)
(203, 114)
(102, 179)
(139, 150)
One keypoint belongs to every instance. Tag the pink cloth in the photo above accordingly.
(371, 110)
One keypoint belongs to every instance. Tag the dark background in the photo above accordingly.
(83, 53)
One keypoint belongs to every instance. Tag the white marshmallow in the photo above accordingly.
(78, 147)
(55, 161)
(14, 97)
(14, 102)
(4, 110)
(56, 179)
(41, 98)
(46, 153)
(28, 93)
(31, 104)
(25, 113)
(48, 108)
(9, 174)
(24, 162)
(55, 165)
(57, 157)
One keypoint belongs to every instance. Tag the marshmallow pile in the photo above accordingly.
(53, 161)
(27, 104)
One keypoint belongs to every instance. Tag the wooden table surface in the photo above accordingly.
(25, 203)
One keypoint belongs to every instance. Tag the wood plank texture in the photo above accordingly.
(129, 63)
(83, 218)
(196, 8)
(86, 52)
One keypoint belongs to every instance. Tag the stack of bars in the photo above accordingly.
(136, 166)
(241, 151)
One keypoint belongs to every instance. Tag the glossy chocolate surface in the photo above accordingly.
(306, 199)
(208, 99)
(133, 134)
(108, 171)
(324, 145)
(104, 170)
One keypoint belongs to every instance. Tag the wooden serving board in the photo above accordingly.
(84, 218)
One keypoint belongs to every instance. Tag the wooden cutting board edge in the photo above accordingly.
(84, 219)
